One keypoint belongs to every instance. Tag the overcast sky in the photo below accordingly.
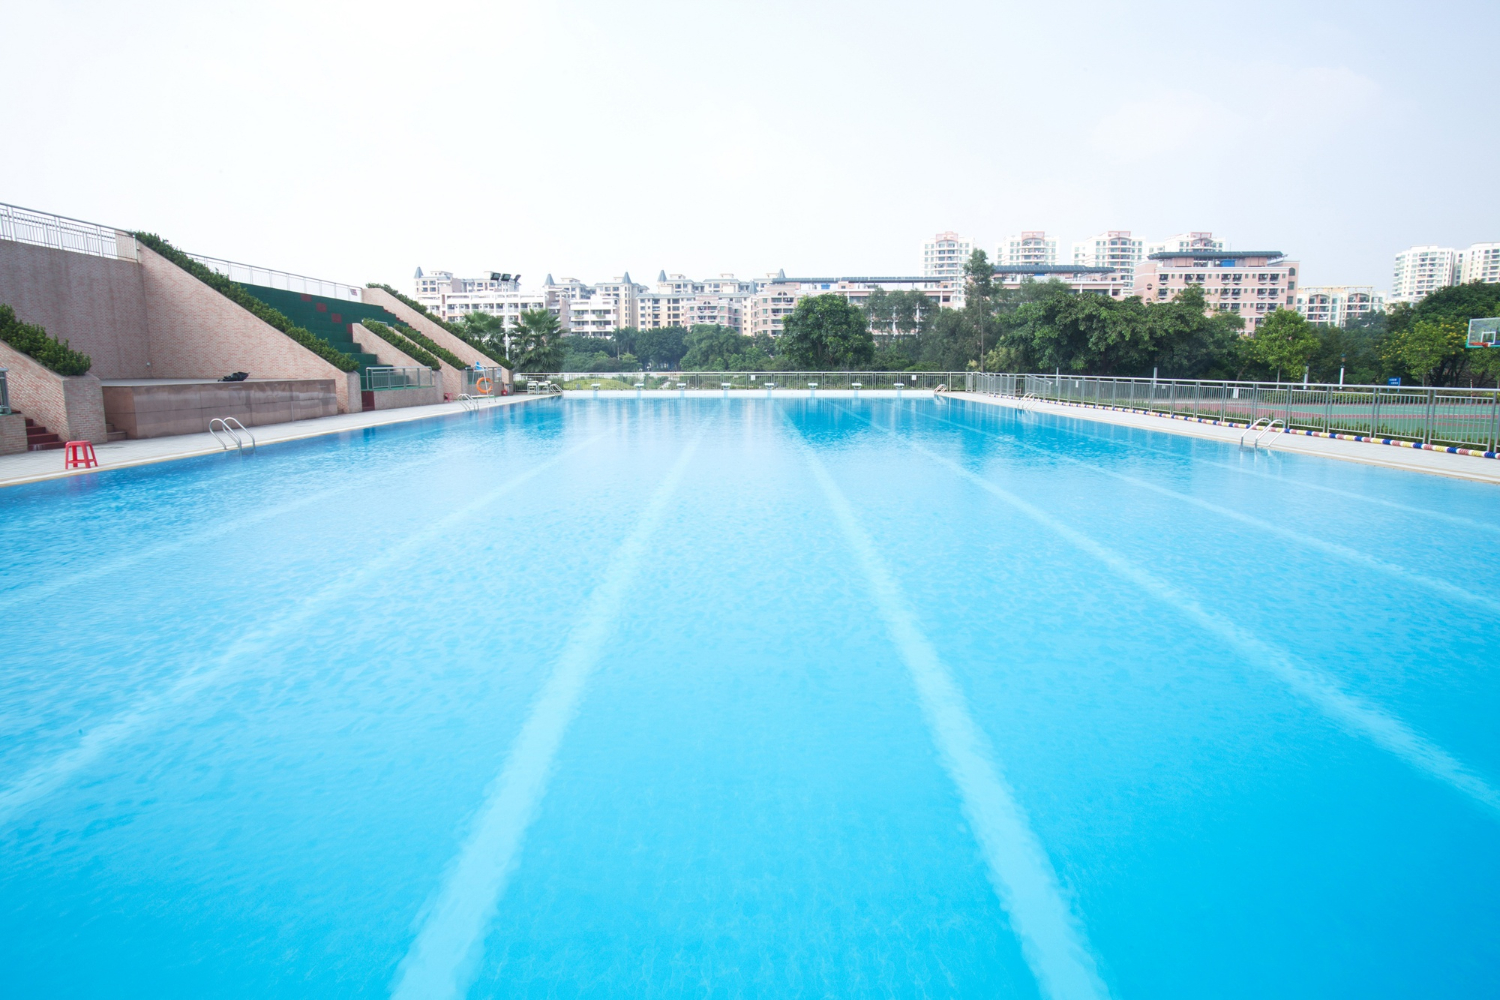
(356, 141)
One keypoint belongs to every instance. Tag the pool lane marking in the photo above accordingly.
(444, 956)
(1089, 429)
(46, 777)
(1051, 936)
(1354, 714)
(41, 590)
(1344, 552)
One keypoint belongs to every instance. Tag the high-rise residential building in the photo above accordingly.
(945, 254)
(1184, 241)
(1481, 262)
(1115, 249)
(1030, 247)
(1420, 271)
(1335, 305)
(1248, 283)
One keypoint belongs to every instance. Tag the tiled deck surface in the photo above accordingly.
(35, 465)
(1433, 462)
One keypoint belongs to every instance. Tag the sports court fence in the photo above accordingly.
(381, 378)
(759, 381)
(1466, 418)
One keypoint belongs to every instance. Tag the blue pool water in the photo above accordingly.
(750, 698)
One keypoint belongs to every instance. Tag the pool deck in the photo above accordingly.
(1437, 463)
(33, 466)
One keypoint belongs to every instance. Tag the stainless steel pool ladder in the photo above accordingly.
(232, 429)
(1274, 426)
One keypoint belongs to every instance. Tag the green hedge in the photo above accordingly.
(401, 343)
(234, 293)
(34, 342)
(433, 347)
(419, 307)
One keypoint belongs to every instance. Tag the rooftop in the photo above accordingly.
(1052, 269)
(1215, 254)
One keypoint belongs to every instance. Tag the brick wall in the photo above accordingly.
(415, 320)
(97, 304)
(12, 433)
(197, 333)
(70, 406)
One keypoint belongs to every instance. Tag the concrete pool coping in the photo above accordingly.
(37, 466)
(1431, 462)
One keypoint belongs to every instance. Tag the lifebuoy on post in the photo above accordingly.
(483, 385)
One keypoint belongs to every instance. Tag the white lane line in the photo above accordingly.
(1352, 713)
(1052, 938)
(37, 591)
(444, 956)
(46, 777)
(1334, 549)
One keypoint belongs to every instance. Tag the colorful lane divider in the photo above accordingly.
(1366, 438)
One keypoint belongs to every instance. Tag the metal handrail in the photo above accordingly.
(231, 428)
(1258, 425)
(46, 229)
(1277, 425)
(1468, 418)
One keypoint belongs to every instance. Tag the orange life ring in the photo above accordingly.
(483, 385)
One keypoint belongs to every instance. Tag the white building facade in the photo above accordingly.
(1027, 248)
(1184, 241)
(1078, 277)
(1420, 271)
(1250, 284)
(1115, 249)
(1335, 305)
(945, 255)
(1481, 262)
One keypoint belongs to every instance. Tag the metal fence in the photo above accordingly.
(379, 379)
(1459, 417)
(741, 381)
(4, 392)
(266, 277)
(496, 386)
(43, 229)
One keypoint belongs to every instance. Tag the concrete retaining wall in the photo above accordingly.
(96, 304)
(12, 433)
(197, 333)
(162, 409)
(70, 406)
(391, 399)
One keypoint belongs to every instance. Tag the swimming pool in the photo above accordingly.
(750, 697)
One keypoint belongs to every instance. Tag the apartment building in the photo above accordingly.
(496, 294)
(679, 300)
(1184, 241)
(1335, 305)
(1079, 277)
(1115, 249)
(766, 310)
(1027, 249)
(945, 254)
(1249, 283)
(1481, 262)
(1420, 271)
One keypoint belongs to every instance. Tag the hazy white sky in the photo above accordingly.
(355, 141)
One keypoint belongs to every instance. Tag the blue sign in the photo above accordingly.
(1393, 381)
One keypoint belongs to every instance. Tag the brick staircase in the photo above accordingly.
(39, 438)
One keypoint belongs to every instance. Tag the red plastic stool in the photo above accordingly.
(80, 455)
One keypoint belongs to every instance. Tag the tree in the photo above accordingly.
(1432, 350)
(661, 348)
(714, 348)
(825, 332)
(1285, 343)
(485, 331)
(979, 291)
(536, 342)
